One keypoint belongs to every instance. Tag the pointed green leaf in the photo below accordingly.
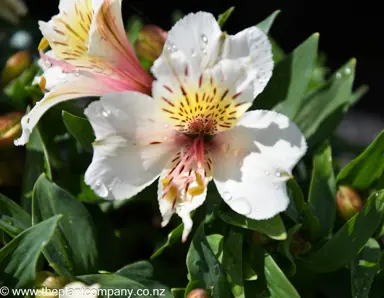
(204, 269)
(222, 19)
(233, 261)
(347, 242)
(278, 284)
(367, 168)
(13, 218)
(72, 250)
(321, 112)
(273, 227)
(173, 237)
(18, 259)
(322, 192)
(364, 268)
(80, 129)
(285, 248)
(286, 89)
(266, 24)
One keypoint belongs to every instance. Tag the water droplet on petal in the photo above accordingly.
(47, 63)
(204, 51)
(267, 173)
(227, 196)
(77, 73)
(241, 206)
(204, 38)
(194, 55)
(105, 113)
(278, 174)
(101, 189)
(225, 147)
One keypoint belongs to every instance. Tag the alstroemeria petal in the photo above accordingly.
(71, 86)
(182, 188)
(252, 49)
(212, 102)
(131, 146)
(254, 160)
(196, 37)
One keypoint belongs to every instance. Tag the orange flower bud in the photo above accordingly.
(197, 293)
(15, 66)
(10, 127)
(348, 202)
(150, 42)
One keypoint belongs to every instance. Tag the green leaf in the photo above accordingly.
(37, 160)
(19, 258)
(285, 248)
(278, 284)
(127, 287)
(80, 129)
(267, 23)
(290, 79)
(134, 26)
(322, 192)
(204, 269)
(233, 261)
(347, 242)
(178, 292)
(173, 237)
(222, 19)
(72, 250)
(364, 268)
(273, 227)
(322, 111)
(13, 218)
(367, 168)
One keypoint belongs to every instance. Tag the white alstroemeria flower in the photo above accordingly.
(77, 289)
(196, 128)
(90, 56)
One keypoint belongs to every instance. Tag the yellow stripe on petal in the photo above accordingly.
(43, 45)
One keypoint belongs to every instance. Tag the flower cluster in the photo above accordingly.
(187, 126)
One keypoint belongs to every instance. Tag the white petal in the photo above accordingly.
(254, 160)
(131, 146)
(74, 86)
(79, 290)
(196, 38)
(252, 49)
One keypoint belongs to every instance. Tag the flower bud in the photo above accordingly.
(150, 42)
(299, 246)
(10, 128)
(15, 66)
(348, 202)
(197, 293)
(46, 279)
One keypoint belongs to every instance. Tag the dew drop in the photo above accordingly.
(204, 51)
(48, 63)
(204, 38)
(101, 189)
(194, 55)
(225, 147)
(105, 113)
(347, 71)
(278, 174)
(171, 48)
(166, 125)
(227, 196)
(241, 206)
(338, 75)
(267, 173)
(77, 73)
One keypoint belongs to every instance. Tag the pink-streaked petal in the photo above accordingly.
(70, 87)
(108, 41)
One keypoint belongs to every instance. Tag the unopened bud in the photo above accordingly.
(46, 279)
(348, 202)
(197, 293)
(299, 246)
(10, 128)
(15, 66)
(260, 238)
(150, 42)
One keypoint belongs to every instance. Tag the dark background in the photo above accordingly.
(347, 29)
